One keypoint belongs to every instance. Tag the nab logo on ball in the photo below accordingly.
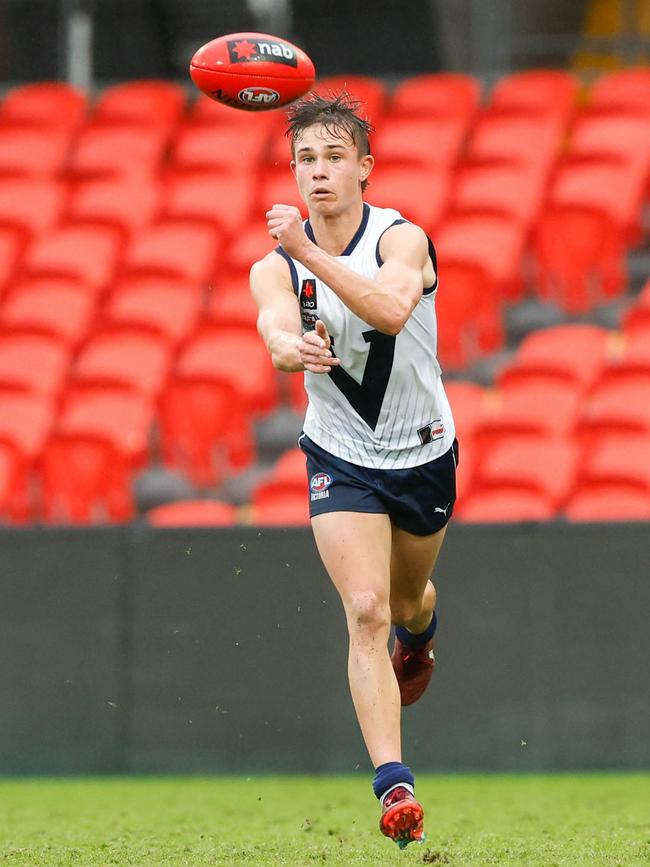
(259, 96)
(247, 50)
(319, 486)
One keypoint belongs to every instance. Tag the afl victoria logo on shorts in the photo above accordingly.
(319, 486)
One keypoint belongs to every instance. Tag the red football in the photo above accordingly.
(252, 71)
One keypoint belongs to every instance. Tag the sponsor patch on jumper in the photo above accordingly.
(435, 430)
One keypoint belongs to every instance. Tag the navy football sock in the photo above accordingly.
(412, 639)
(388, 775)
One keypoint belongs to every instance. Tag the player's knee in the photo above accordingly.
(367, 611)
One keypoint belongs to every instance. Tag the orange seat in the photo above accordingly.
(60, 310)
(25, 421)
(151, 102)
(295, 392)
(47, 104)
(290, 466)
(466, 470)
(174, 250)
(371, 92)
(613, 188)
(124, 358)
(30, 205)
(579, 256)
(84, 480)
(608, 502)
(10, 249)
(549, 92)
(122, 418)
(86, 254)
(574, 354)
(622, 137)
(193, 513)
(419, 142)
(236, 356)
(117, 151)
(505, 505)
(637, 315)
(128, 205)
(621, 90)
(513, 191)
(231, 304)
(205, 428)
(170, 311)
(548, 410)
(519, 140)
(277, 187)
(33, 153)
(217, 148)
(618, 459)
(286, 478)
(419, 197)
(615, 407)
(251, 244)
(460, 303)
(278, 509)
(474, 240)
(442, 95)
(468, 404)
(33, 363)
(547, 466)
(208, 112)
(631, 363)
(11, 480)
(224, 201)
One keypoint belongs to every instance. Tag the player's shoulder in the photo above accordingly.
(401, 235)
(271, 266)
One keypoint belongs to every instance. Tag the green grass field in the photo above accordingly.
(536, 820)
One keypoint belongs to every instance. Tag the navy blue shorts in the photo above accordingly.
(419, 499)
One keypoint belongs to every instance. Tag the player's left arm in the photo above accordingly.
(386, 301)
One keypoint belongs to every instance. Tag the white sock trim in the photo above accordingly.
(396, 786)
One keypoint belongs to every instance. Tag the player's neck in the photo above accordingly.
(333, 232)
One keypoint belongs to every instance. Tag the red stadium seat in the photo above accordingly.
(124, 358)
(149, 103)
(48, 104)
(86, 254)
(574, 354)
(223, 149)
(419, 197)
(295, 392)
(420, 142)
(170, 311)
(465, 471)
(33, 153)
(206, 429)
(223, 201)
(25, 421)
(622, 90)
(621, 137)
(579, 256)
(30, 205)
(33, 363)
(608, 502)
(60, 310)
(615, 407)
(127, 205)
(208, 112)
(505, 505)
(84, 480)
(251, 244)
(613, 188)
(174, 250)
(474, 240)
(122, 418)
(117, 151)
(193, 513)
(290, 466)
(278, 509)
(545, 466)
(549, 92)
(468, 404)
(278, 187)
(231, 304)
(287, 478)
(631, 364)
(512, 191)
(618, 459)
(460, 308)
(236, 356)
(11, 481)
(522, 141)
(371, 92)
(441, 95)
(637, 315)
(10, 248)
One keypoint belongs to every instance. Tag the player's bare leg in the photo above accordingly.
(356, 551)
(413, 602)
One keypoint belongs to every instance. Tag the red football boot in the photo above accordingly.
(402, 818)
(413, 668)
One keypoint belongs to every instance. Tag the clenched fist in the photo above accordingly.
(285, 225)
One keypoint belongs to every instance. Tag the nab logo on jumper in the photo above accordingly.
(308, 295)
(247, 50)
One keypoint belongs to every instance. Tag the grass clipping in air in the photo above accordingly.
(525, 820)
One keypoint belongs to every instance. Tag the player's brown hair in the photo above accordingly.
(338, 115)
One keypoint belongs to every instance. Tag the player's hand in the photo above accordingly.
(315, 352)
(285, 225)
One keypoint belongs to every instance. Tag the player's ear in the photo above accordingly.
(365, 165)
(292, 166)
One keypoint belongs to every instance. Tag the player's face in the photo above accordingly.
(329, 170)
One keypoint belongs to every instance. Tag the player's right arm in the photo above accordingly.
(279, 324)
